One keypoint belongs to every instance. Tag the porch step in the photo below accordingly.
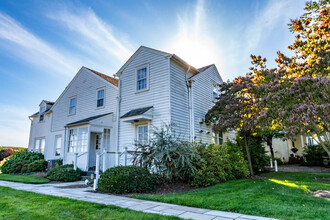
(88, 175)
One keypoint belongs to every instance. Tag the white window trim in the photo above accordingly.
(148, 77)
(75, 110)
(139, 124)
(97, 90)
(39, 147)
(55, 146)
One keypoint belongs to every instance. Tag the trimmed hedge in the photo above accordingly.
(219, 163)
(37, 166)
(19, 161)
(127, 179)
(64, 173)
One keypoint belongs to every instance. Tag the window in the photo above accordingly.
(78, 139)
(72, 109)
(98, 141)
(39, 145)
(41, 111)
(215, 91)
(58, 143)
(41, 117)
(217, 138)
(142, 134)
(100, 98)
(142, 79)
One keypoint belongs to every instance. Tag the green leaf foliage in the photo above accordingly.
(219, 163)
(20, 160)
(64, 173)
(127, 179)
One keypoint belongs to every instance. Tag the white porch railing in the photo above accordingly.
(75, 162)
(103, 155)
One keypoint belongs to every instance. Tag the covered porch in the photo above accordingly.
(86, 138)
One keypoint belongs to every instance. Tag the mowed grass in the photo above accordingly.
(17, 204)
(277, 195)
(24, 179)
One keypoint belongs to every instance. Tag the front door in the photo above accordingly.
(95, 147)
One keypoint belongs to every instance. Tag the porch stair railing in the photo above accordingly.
(103, 156)
(76, 156)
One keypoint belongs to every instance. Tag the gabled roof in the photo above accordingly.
(86, 120)
(165, 54)
(138, 111)
(202, 69)
(106, 77)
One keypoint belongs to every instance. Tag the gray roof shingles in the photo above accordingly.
(86, 120)
(138, 111)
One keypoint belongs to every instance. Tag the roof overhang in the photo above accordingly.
(146, 115)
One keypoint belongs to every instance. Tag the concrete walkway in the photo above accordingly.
(70, 190)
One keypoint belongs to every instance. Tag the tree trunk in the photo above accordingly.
(270, 145)
(248, 155)
(324, 144)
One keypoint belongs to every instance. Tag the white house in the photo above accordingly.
(98, 113)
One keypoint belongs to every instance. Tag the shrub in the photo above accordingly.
(127, 179)
(279, 161)
(218, 163)
(64, 173)
(6, 153)
(167, 155)
(259, 157)
(313, 155)
(37, 166)
(18, 160)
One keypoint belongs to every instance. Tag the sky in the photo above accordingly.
(43, 44)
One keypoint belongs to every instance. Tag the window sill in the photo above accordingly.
(140, 91)
(72, 114)
(101, 107)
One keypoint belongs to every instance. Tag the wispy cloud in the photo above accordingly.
(14, 125)
(20, 42)
(93, 35)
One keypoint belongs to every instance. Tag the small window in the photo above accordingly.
(58, 143)
(142, 134)
(142, 79)
(41, 117)
(72, 109)
(100, 98)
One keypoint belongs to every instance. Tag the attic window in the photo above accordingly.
(100, 98)
(72, 108)
(41, 117)
(215, 92)
(142, 79)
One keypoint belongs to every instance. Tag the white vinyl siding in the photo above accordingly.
(157, 95)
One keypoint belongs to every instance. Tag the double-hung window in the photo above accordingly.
(72, 108)
(39, 145)
(58, 143)
(143, 134)
(100, 98)
(142, 75)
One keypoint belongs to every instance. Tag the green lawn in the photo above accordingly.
(17, 204)
(277, 195)
(24, 179)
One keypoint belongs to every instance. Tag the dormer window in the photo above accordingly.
(41, 115)
(72, 108)
(100, 98)
(142, 79)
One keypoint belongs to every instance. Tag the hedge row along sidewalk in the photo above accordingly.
(24, 179)
(85, 194)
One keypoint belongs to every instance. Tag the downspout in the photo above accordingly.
(189, 102)
(117, 122)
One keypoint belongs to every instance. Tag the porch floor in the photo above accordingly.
(84, 193)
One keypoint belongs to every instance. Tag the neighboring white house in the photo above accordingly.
(98, 113)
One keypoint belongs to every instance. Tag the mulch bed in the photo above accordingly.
(323, 179)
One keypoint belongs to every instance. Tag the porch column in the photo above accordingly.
(88, 146)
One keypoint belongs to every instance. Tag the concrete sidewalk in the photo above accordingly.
(71, 190)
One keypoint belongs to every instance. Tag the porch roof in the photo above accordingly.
(139, 114)
(87, 120)
(138, 111)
